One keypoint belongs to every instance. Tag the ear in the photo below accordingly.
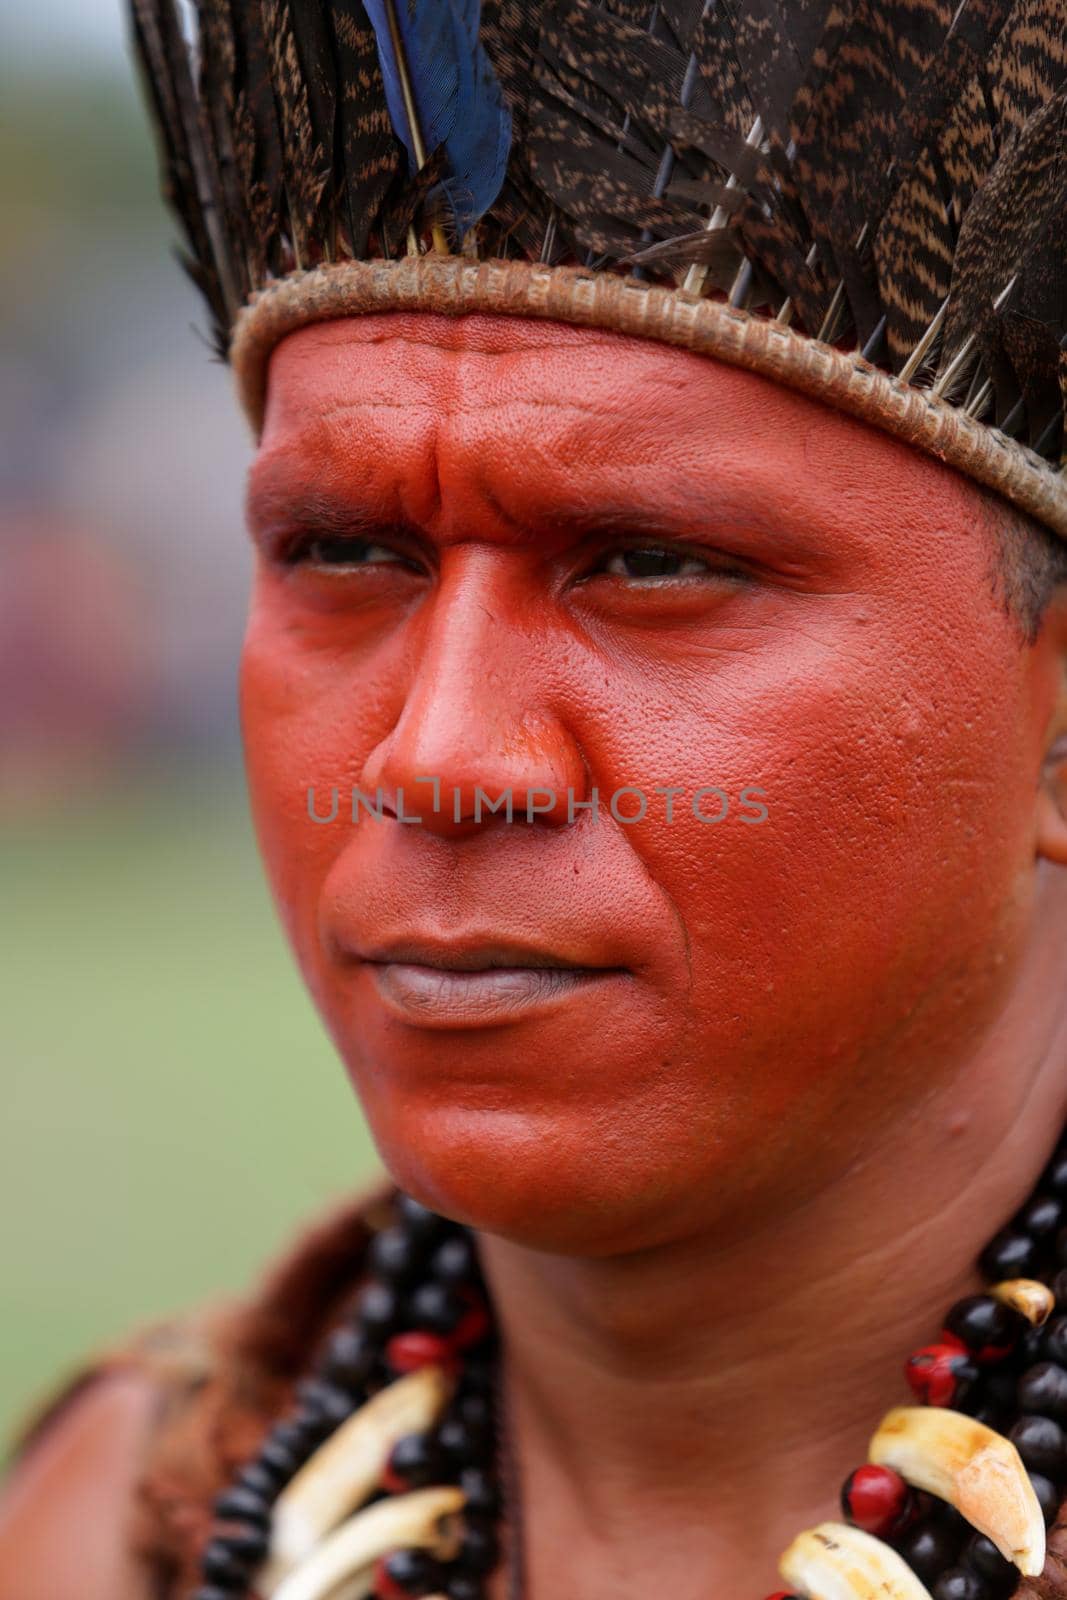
(1051, 818)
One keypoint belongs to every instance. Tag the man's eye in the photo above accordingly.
(654, 561)
(339, 551)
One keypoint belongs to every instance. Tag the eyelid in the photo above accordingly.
(714, 558)
(292, 547)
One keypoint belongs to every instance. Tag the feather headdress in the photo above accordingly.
(864, 198)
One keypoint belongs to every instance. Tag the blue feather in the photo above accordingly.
(457, 97)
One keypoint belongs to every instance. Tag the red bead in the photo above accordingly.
(939, 1373)
(394, 1482)
(877, 1500)
(407, 1352)
(987, 1356)
(782, 1594)
(471, 1327)
(385, 1587)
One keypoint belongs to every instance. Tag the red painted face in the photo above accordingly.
(521, 557)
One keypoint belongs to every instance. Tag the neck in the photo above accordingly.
(681, 1413)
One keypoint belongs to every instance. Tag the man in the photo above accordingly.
(659, 754)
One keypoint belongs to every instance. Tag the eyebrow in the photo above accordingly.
(270, 508)
(276, 505)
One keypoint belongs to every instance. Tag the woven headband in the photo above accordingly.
(452, 286)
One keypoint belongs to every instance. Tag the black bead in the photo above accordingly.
(1041, 1217)
(1048, 1496)
(1061, 1247)
(455, 1261)
(479, 1373)
(1042, 1444)
(279, 1458)
(242, 1505)
(465, 1586)
(296, 1434)
(220, 1565)
(379, 1309)
(1010, 1255)
(476, 1408)
(959, 1584)
(435, 1307)
(462, 1443)
(951, 1520)
(1059, 1288)
(350, 1357)
(930, 1548)
(1044, 1389)
(480, 1549)
(1054, 1343)
(1001, 1386)
(247, 1545)
(415, 1571)
(314, 1428)
(479, 1491)
(991, 1416)
(983, 1323)
(395, 1255)
(981, 1555)
(416, 1458)
(211, 1592)
(325, 1401)
(1055, 1174)
(261, 1479)
(422, 1223)
(1031, 1348)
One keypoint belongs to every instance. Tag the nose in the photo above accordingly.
(474, 742)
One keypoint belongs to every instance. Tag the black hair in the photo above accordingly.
(1030, 564)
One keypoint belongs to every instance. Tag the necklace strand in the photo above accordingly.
(413, 1382)
(512, 1487)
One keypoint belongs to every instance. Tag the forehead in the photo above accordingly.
(525, 406)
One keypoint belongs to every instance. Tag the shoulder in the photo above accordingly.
(66, 1502)
(109, 1496)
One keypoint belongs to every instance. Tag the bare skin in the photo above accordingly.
(64, 1513)
(728, 1179)
(723, 1194)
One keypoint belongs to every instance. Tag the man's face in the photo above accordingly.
(517, 557)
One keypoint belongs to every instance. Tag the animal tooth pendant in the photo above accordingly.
(343, 1566)
(1031, 1299)
(347, 1468)
(836, 1562)
(972, 1467)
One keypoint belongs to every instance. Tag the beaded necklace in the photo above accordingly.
(393, 1471)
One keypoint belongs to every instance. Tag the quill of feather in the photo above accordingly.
(441, 89)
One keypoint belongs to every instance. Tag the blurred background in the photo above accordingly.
(171, 1107)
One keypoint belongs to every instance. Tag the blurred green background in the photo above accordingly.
(171, 1107)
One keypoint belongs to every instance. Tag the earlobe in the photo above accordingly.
(1050, 817)
(1052, 804)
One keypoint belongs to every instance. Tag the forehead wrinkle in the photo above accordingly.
(730, 498)
(490, 403)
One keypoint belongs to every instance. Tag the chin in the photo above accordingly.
(501, 1171)
(550, 1183)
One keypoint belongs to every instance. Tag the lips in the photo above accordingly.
(475, 980)
(469, 953)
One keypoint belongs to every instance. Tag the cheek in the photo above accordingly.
(885, 893)
(304, 747)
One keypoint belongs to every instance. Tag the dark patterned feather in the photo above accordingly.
(887, 174)
(190, 176)
(304, 159)
(1019, 200)
(370, 154)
